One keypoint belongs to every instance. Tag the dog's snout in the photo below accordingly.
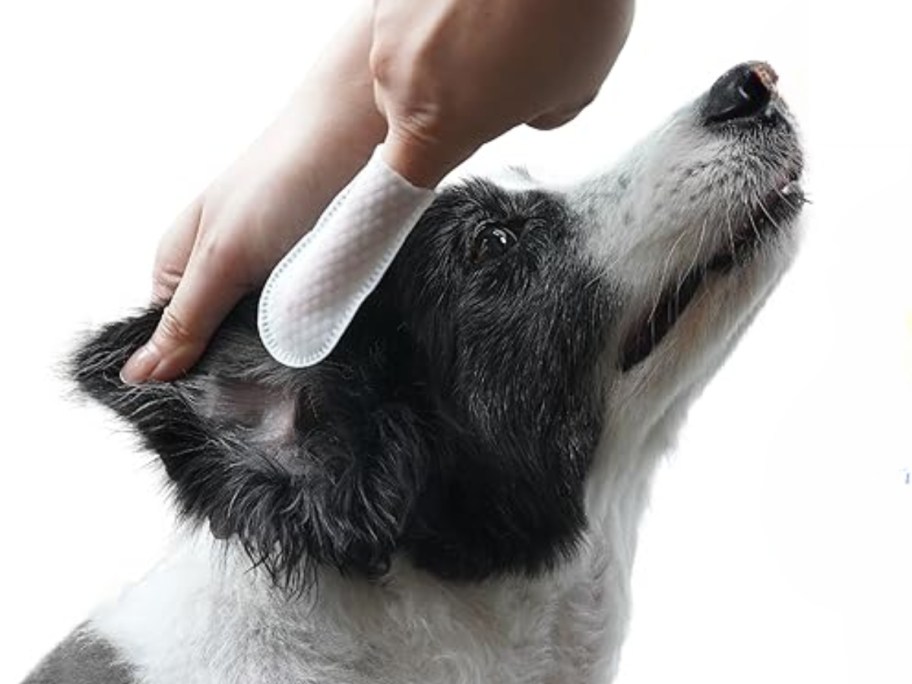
(744, 92)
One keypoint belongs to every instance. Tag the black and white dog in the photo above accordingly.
(453, 496)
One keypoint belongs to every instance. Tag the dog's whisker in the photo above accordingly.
(471, 458)
(660, 288)
(730, 231)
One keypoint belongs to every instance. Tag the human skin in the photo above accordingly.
(394, 74)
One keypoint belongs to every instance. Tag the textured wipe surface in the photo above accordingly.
(315, 291)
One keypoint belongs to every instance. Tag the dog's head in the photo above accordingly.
(521, 335)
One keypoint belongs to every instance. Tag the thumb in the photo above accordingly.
(204, 296)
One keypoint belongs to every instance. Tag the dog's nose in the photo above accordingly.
(741, 93)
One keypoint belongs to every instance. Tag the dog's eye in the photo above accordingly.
(491, 241)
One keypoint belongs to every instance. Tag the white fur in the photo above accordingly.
(204, 617)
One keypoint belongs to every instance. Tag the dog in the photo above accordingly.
(454, 494)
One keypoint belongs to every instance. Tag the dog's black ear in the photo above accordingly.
(303, 467)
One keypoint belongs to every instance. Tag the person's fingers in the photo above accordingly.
(174, 252)
(208, 290)
(421, 159)
(558, 117)
(552, 120)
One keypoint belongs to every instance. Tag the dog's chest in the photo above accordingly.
(202, 619)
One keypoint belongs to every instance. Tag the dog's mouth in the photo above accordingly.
(755, 225)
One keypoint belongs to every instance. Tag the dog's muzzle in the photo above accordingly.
(744, 92)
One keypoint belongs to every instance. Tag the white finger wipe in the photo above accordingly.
(315, 291)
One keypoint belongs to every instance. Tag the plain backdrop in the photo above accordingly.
(778, 547)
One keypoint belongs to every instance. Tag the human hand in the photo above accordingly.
(450, 75)
(438, 77)
(230, 237)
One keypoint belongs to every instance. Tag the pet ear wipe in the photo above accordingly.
(315, 291)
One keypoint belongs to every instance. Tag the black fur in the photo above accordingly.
(454, 423)
(83, 658)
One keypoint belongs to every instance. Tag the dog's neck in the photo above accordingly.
(204, 610)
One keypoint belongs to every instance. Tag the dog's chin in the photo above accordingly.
(761, 227)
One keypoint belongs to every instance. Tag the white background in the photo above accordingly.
(779, 544)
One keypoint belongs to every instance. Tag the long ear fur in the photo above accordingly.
(454, 423)
(309, 467)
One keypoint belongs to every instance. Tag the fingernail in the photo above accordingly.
(140, 366)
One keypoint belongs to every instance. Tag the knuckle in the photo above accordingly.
(397, 60)
(382, 61)
(418, 130)
(166, 278)
(407, 87)
(221, 253)
(172, 329)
